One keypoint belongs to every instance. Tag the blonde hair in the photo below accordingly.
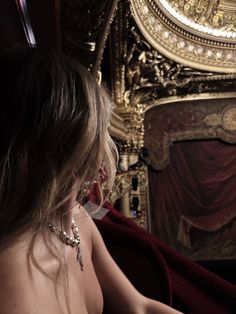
(53, 136)
(53, 139)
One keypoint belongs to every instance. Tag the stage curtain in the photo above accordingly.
(193, 200)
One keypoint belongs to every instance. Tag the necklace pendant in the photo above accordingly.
(69, 240)
(79, 259)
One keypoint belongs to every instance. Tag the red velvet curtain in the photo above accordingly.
(197, 189)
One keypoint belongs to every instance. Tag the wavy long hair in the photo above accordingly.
(53, 136)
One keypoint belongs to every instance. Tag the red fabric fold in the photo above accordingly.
(161, 273)
(198, 185)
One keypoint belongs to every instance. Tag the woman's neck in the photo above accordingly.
(68, 213)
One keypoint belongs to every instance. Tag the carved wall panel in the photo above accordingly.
(188, 120)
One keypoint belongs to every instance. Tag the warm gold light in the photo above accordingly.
(194, 25)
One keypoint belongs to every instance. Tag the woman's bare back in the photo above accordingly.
(25, 289)
(28, 291)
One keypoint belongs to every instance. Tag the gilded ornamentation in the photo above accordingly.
(128, 105)
(210, 13)
(117, 128)
(199, 119)
(183, 45)
(229, 118)
(120, 187)
(150, 75)
(142, 75)
(85, 27)
(213, 120)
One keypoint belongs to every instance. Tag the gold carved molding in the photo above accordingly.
(188, 120)
(120, 187)
(184, 44)
(211, 18)
(180, 99)
(117, 127)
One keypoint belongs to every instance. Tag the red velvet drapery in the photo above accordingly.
(194, 198)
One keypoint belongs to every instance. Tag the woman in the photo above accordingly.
(53, 139)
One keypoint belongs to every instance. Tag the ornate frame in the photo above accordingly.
(182, 44)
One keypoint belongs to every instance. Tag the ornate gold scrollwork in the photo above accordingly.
(220, 15)
(188, 44)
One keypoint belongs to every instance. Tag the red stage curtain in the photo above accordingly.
(196, 193)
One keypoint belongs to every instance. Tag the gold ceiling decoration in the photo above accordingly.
(197, 33)
(214, 18)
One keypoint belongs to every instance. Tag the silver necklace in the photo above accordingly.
(73, 241)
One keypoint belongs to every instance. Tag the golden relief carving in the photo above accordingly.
(120, 187)
(229, 119)
(226, 119)
(213, 120)
(186, 46)
(218, 14)
(142, 76)
(190, 120)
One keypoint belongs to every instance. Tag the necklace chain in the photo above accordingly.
(73, 241)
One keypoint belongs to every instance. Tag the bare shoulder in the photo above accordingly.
(85, 225)
(83, 220)
(88, 228)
